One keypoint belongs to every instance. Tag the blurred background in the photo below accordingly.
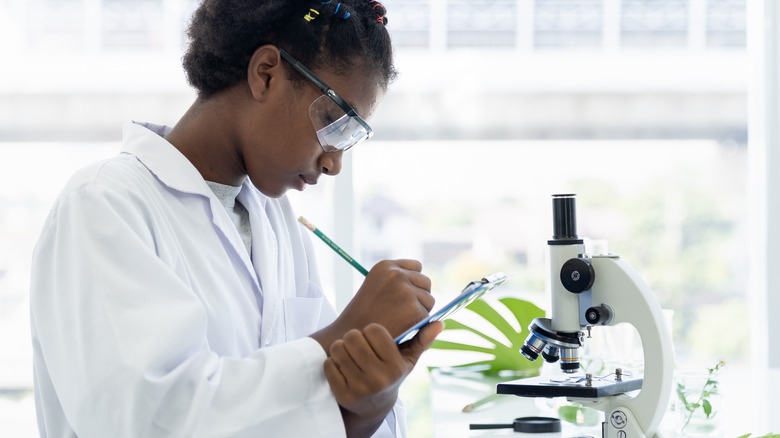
(640, 107)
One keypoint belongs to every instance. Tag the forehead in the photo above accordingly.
(361, 90)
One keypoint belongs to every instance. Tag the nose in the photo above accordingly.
(330, 162)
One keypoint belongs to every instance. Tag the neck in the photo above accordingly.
(205, 135)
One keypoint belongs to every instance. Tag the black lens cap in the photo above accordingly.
(536, 424)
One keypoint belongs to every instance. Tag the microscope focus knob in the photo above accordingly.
(599, 315)
(577, 275)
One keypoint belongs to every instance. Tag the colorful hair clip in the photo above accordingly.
(309, 16)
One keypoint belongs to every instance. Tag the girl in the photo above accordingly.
(173, 291)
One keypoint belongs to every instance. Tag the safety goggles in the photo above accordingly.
(338, 125)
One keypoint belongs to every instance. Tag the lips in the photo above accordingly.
(304, 181)
(309, 181)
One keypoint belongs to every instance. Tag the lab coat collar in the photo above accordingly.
(169, 165)
(146, 142)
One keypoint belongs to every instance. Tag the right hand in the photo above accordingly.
(395, 295)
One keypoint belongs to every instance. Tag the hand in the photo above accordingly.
(366, 369)
(395, 295)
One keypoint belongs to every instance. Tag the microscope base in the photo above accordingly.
(568, 387)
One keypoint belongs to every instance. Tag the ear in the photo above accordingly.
(264, 71)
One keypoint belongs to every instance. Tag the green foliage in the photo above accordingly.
(709, 389)
(505, 357)
(769, 435)
(580, 415)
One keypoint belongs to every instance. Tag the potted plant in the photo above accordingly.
(698, 399)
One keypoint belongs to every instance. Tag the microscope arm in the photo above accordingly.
(618, 285)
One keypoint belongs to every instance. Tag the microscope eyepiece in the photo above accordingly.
(564, 217)
(564, 220)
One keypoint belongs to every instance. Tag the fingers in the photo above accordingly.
(411, 268)
(410, 265)
(352, 354)
(365, 362)
(415, 276)
(413, 272)
(394, 294)
(381, 342)
(366, 368)
(427, 300)
(336, 379)
(421, 281)
(422, 341)
(372, 349)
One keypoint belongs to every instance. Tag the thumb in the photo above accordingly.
(424, 338)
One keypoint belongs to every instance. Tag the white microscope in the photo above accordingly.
(598, 290)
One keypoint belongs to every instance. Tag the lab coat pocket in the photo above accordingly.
(301, 316)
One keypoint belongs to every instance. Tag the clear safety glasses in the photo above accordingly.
(338, 125)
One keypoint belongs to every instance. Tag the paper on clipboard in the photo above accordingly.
(471, 292)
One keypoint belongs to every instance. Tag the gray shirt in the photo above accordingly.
(237, 213)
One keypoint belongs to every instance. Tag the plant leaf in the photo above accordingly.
(705, 404)
(681, 395)
(447, 345)
(483, 309)
(524, 312)
(505, 357)
(451, 324)
(579, 415)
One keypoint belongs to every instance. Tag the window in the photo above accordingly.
(638, 106)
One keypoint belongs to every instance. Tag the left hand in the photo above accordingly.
(365, 370)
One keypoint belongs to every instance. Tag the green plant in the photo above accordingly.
(579, 415)
(504, 357)
(769, 435)
(702, 397)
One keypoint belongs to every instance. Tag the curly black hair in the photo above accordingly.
(223, 35)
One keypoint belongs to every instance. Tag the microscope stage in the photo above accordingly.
(575, 386)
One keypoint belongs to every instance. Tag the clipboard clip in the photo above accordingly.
(493, 277)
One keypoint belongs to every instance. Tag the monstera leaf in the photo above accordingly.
(504, 357)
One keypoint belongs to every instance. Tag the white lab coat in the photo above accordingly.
(149, 319)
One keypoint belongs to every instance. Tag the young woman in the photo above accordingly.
(174, 292)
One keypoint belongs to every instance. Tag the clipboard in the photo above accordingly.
(471, 292)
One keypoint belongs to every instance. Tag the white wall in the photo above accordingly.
(764, 190)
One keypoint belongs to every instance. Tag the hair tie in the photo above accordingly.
(346, 13)
(379, 18)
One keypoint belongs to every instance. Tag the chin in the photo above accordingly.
(272, 193)
(275, 194)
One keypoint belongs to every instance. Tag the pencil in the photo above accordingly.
(481, 402)
(332, 245)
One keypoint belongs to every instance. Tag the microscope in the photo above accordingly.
(589, 291)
